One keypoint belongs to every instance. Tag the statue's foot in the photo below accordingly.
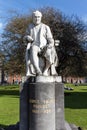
(45, 73)
(28, 74)
(39, 73)
(55, 74)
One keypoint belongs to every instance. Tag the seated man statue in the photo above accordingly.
(40, 44)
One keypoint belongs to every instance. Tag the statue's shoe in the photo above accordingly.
(39, 73)
(54, 74)
(45, 73)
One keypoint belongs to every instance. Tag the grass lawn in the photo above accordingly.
(9, 105)
(75, 105)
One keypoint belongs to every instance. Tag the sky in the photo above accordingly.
(68, 7)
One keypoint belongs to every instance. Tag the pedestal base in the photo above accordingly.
(42, 106)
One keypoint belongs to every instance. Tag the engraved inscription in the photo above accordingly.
(39, 106)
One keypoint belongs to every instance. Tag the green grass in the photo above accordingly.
(9, 105)
(76, 105)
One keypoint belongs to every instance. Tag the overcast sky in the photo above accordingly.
(69, 7)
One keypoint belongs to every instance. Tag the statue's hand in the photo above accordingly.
(28, 38)
(50, 46)
(50, 43)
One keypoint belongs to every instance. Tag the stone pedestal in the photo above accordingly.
(59, 106)
(42, 105)
(24, 106)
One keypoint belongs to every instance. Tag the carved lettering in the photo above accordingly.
(41, 106)
(41, 111)
(34, 101)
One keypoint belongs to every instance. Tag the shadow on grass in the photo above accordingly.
(76, 100)
(83, 89)
(9, 92)
(3, 126)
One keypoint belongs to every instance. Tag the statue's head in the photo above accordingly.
(37, 15)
